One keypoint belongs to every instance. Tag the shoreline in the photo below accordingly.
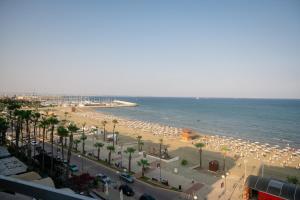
(242, 158)
(283, 142)
(275, 159)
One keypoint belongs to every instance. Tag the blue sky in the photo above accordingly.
(151, 48)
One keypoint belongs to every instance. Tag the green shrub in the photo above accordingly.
(292, 179)
(184, 162)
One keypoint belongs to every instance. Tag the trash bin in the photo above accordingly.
(179, 187)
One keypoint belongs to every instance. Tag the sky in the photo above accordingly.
(240, 49)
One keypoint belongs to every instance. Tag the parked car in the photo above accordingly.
(103, 178)
(33, 143)
(146, 197)
(126, 177)
(73, 168)
(126, 190)
(165, 182)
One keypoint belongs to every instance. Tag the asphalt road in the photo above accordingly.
(138, 187)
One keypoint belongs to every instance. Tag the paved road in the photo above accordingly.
(139, 187)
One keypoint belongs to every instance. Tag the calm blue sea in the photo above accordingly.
(266, 120)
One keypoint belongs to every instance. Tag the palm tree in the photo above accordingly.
(62, 132)
(144, 163)
(12, 107)
(200, 146)
(224, 149)
(66, 115)
(104, 124)
(18, 127)
(98, 145)
(83, 138)
(130, 151)
(72, 129)
(117, 137)
(76, 142)
(139, 141)
(20, 115)
(44, 123)
(111, 149)
(114, 122)
(141, 145)
(52, 122)
(4, 125)
(160, 146)
(36, 116)
(27, 115)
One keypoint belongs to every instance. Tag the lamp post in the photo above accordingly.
(224, 177)
(245, 165)
(262, 168)
(121, 155)
(80, 156)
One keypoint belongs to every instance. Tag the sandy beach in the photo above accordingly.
(243, 157)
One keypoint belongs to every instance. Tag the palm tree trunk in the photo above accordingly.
(62, 149)
(29, 142)
(34, 135)
(114, 135)
(143, 171)
(83, 144)
(52, 132)
(43, 160)
(224, 163)
(129, 163)
(39, 132)
(109, 157)
(104, 137)
(200, 158)
(17, 135)
(69, 155)
(21, 131)
(98, 153)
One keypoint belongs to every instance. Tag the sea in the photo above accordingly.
(273, 121)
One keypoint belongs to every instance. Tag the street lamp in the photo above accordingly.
(80, 156)
(262, 168)
(224, 177)
(245, 164)
(121, 155)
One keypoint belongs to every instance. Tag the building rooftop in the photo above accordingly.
(4, 153)
(274, 187)
(11, 166)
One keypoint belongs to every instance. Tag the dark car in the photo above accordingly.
(73, 168)
(126, 177)
(146, 197)
(103, 178)
(126, 190)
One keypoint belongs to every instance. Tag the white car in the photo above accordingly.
(34, 143)
(103, 178)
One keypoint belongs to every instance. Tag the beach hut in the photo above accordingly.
(213, 165)
(187, 134)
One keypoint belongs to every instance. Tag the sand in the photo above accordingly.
(243, 156)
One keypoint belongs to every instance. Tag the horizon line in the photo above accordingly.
(139, 96)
